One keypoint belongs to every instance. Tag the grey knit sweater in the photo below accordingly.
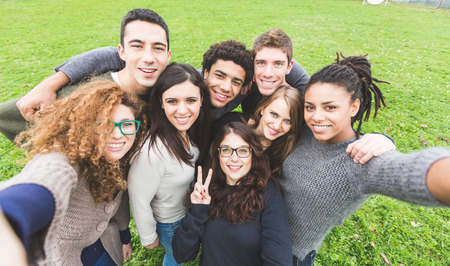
(78, 220)
(322, 185)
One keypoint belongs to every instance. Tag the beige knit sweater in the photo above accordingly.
(78, 221)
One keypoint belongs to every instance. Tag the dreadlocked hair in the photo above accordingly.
(66, 127)
(353, 73)
(241, 202)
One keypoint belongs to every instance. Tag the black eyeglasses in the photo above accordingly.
(242, 151)
(127, 127)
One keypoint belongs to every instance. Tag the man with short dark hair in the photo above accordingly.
(144, 47)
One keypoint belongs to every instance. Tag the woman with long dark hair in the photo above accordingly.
(240, 219)
(160, 174)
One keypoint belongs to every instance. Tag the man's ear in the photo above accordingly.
(169, 54)
(205, 74)
(290, 65)
(121, 51)
(355, 107)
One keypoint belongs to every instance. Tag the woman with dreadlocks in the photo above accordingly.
(322, 185)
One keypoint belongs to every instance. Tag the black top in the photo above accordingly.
(263, 241)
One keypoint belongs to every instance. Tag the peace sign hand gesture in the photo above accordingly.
(200, 195)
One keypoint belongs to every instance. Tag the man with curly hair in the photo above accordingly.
(144, 46)
(227, 67)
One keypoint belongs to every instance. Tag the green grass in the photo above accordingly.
(408, 46)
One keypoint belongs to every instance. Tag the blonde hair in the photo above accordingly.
(281, 147)
(66, 127)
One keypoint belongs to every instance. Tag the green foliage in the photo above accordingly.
(408, 46)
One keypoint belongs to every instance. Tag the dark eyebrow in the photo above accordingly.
(225, 74)
(238, 79)
(160, 43)
(221, 72)
(135, 40)
(155, 43)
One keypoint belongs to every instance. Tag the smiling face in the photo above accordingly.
(275, 120)
(234, 167)
(118, 144)
(182, 104)
(271, 68)
(224, 80)
(328, 112)
(145, 52)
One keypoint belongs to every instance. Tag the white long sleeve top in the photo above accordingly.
(157, 185)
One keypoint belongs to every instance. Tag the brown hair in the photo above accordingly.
(274, 38)
(241, 203)
(281, 147)
(66, 127)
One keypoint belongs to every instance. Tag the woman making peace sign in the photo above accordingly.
(241, 219)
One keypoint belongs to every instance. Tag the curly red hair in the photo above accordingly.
(66, 127)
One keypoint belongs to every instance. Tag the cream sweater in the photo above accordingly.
(158, 184)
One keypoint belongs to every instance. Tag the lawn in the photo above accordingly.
(408, 46)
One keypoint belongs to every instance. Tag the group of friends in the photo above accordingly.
(116, 129)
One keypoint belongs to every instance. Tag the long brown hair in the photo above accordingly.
(245, 199)
(281, 147)
(66, 127)
(161, 128)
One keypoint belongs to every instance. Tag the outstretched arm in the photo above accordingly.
(438, 180)
(12, 250)
(94, 62)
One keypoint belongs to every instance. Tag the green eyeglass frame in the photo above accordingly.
(111, 125)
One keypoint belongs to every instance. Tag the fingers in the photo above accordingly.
(26, 111)
(369, 146)
(199, 175)
(207, 181)
(28, 114)
(126, 251)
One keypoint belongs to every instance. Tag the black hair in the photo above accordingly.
(353, 73)
(143, 14)
(160, 127)
(230, 50)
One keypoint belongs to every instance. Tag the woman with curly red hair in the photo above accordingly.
(241, 218)
(69, 204)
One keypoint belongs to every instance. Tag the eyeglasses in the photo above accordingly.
(127, 127)
(242, 151)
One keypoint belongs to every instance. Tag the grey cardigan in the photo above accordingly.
(78, 220)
